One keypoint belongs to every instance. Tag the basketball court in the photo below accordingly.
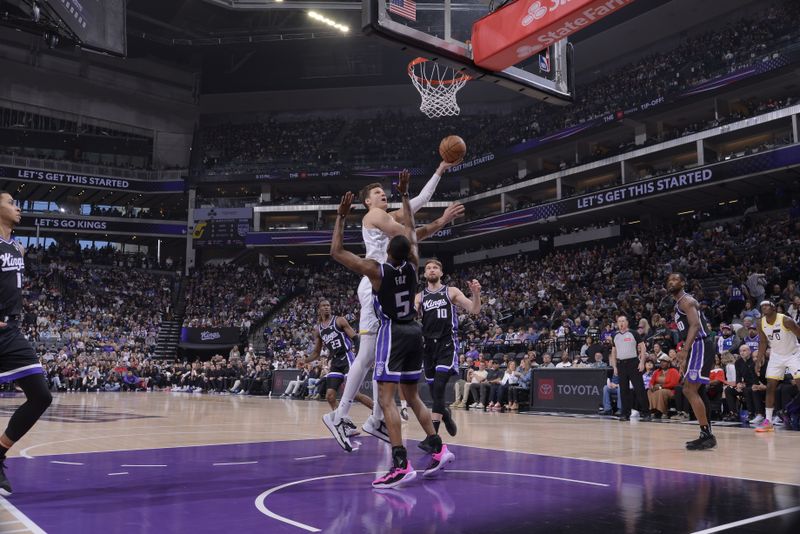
(169, 462)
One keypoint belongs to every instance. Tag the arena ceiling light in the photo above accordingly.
(325, 20)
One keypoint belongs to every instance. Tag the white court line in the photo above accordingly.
(236, 463)
(9, 522)
(747, 521)
(312, 457)
(16, 530)
(619, 462)
(24, 453)
(65, 463)
(269, 513)
(143, 465)
(13, 510)
(530, 476)
(117, 474)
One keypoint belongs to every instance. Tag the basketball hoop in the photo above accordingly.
(437, 85)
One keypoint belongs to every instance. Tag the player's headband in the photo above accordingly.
(766, 303)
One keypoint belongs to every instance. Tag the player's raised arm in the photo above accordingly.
(369, 268)
(408, 217)
(470, 305)
(426, 194)
(453, 211)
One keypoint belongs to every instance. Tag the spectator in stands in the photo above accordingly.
(491, 389)
(611, 389)
(547, 361)
(508, 384)
(461, 387)
(662, 387)
(478, 387)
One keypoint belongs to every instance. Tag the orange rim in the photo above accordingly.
(461, 77)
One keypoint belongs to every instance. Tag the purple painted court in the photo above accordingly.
(311, 485)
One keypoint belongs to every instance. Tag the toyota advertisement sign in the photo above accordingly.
(568, 390)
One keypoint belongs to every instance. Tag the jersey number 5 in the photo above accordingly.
(403, 303)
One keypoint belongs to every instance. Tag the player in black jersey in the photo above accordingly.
(18, 362)
(336, 334)
(696, 356)
(437, 306)
(398, 353)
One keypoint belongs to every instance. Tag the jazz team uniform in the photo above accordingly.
(17, 358)
(784, 354)
(340, 352)
(398, 352)
(439, 331)
(702, 351)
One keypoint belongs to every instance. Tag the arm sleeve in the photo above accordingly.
(425, 195)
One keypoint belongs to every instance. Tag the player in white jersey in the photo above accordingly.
(780, 332)
(377, 227)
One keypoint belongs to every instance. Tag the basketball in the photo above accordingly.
(452, 148)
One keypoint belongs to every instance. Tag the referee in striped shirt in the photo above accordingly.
(627, 359)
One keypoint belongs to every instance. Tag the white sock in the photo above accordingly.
(769, 413)
(403, 404)
(377, 411)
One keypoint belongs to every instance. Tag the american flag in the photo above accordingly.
(404, 8)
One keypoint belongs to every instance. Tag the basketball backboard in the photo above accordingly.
(442, 31)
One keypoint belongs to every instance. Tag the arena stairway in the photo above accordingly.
(170, 333)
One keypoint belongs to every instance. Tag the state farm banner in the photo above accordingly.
(521, 29)
(227, 336)
(568, 390)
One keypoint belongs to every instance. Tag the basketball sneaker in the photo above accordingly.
(338, 430)
(404, 413)
(352, 429)
(431, 443)
(449, 424)
(438, 461)
(765, 426)
(376, 427)
(395, 477)
(5, 485)
(705, 441)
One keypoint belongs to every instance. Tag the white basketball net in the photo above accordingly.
(438, 86)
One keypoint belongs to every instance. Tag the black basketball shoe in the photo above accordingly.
(5, 485)
(449, 424)
(704, 442)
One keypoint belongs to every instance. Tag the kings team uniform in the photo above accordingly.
(17, 358)
(439, 332)
(340, 352)
(702, 351)
(784, 354)
(398, 351)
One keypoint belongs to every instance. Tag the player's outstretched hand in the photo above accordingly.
(453, 211)
(445, 166)
(345, 204)
(474, 286)
(405, 178)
